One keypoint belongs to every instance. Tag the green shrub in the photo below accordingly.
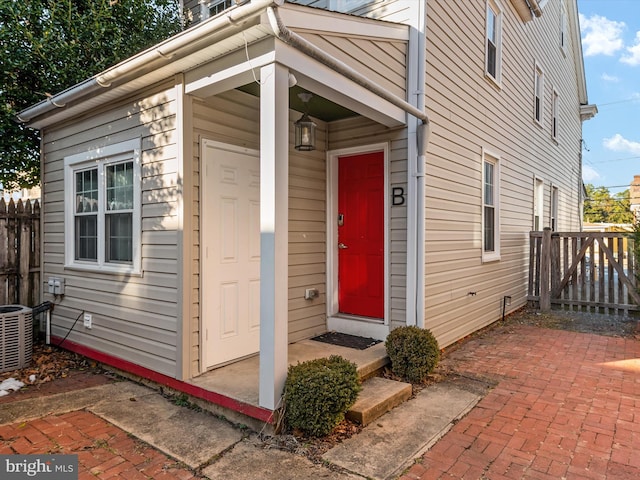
(318, 393)
(413, 351)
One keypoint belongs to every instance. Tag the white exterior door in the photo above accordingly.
(230, 236)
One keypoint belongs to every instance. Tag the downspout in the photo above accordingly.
(423, 134)
(165, 50)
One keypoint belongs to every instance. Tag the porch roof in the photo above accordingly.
(237, 43)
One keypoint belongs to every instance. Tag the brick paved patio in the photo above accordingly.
(567, 405)
(104, 451)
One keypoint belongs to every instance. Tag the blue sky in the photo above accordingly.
(611, 49)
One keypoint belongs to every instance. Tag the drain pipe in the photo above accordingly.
(423, 134)
(281, 31)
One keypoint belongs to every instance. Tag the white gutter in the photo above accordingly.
(163, 51)
(281, 31)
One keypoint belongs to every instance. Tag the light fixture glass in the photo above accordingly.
(305, 128)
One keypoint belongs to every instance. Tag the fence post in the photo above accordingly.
(545, 270)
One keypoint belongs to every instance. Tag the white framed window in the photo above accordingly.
(493, 40)
(490, 207)
(554, 208)
(103, 209)
(213, 8)
(555, 114)
(538, 204)
(564, 39)
(538, 94)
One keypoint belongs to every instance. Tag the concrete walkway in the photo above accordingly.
(97, 424)
(564, 406)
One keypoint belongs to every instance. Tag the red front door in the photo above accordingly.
(361, 234)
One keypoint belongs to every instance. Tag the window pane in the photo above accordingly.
(488, 184)
(119, 186)
(87, 237)
(489, 229)
(491, 25)
(119, 237)
(87, 191)
(491, 58)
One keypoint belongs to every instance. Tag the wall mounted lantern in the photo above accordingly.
(305, 127)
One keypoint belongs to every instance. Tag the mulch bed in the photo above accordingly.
(54, 370)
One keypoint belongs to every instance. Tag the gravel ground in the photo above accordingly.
(599, 324)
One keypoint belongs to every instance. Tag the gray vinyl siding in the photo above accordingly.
(135, 318)
(360, 132)
(232, 118)
(469, 113)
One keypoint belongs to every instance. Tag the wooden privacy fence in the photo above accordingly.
(593, 272)
(19, 252)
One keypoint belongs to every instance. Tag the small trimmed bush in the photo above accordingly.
(414, 353)
(318, 393)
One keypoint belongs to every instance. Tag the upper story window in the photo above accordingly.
(563, 27)
(493, 52)
(102, 209)
(490, 207)
(555, 114)
(213, 8)
(538, 87)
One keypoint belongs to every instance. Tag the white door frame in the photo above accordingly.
(352, 324)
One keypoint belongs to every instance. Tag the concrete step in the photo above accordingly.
(371, 361)
(378, 396)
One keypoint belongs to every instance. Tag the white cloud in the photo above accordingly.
(601, 36)
(618, 143)
(609, 78)
(633, 58)
(589, 174)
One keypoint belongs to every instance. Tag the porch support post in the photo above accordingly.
(274, 231)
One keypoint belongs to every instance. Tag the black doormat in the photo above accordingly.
(345, 340)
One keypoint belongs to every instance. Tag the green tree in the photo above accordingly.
(601, 207)
(50, 45)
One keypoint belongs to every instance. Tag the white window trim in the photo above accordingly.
(538, 73)
(553, 207)
(100, 157)
(497, 8)
(555, 114)
(489, 156)
(538, 202)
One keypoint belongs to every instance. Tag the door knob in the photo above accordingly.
(342, 246)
